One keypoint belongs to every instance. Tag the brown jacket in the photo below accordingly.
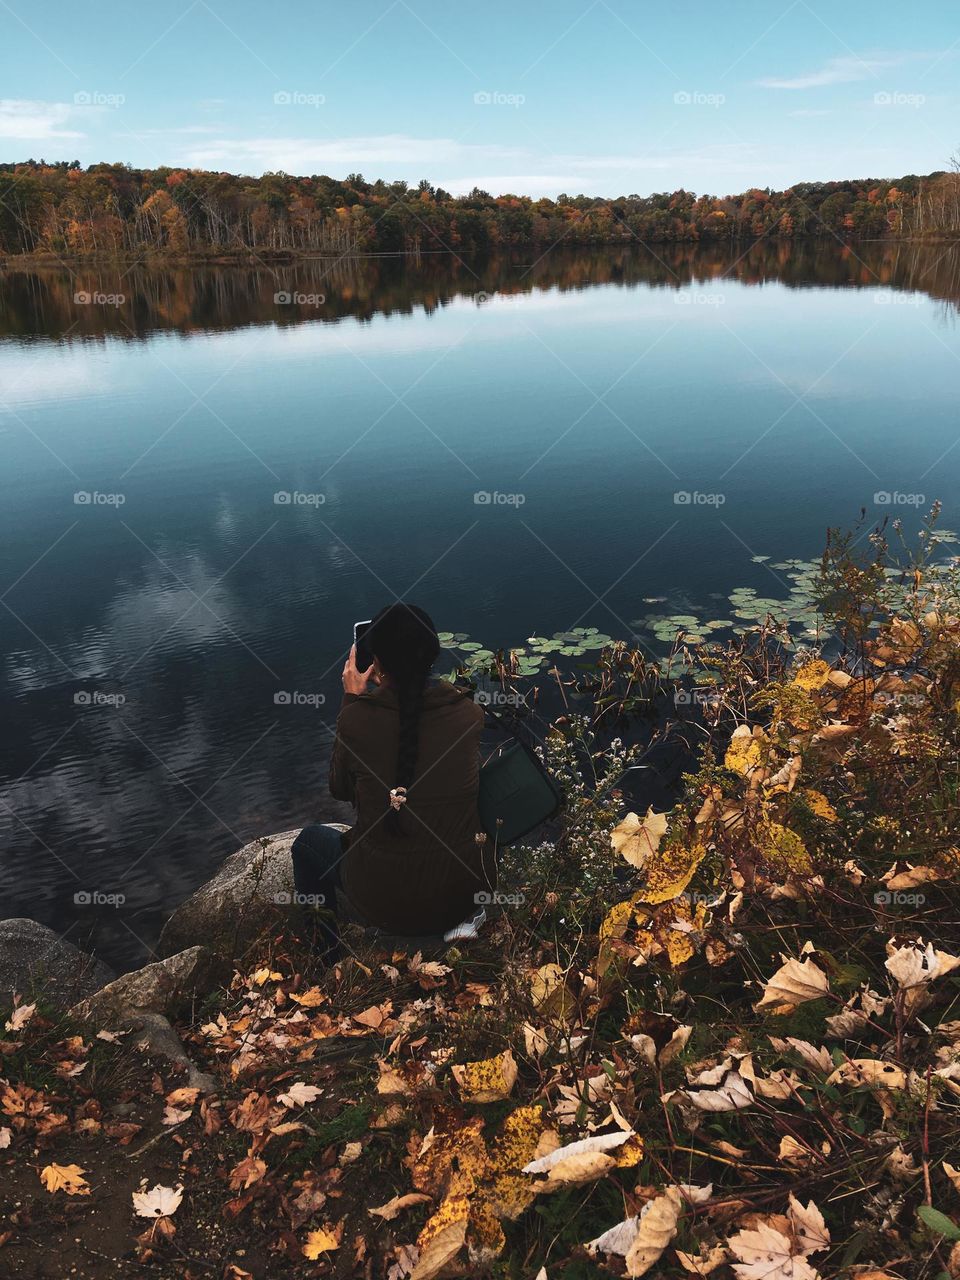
(426, 880)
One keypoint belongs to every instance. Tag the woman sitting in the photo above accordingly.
(407, 755)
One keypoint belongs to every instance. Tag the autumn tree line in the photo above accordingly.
(114, 210)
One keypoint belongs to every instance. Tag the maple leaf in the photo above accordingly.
(764, 1253)
(65, 1177)
(160, 1202)
(299, 1094)
(638, 839)
(20, 1017)
(323, 1241)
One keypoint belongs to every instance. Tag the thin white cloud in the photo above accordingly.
(307, 155)
(845, 70)
(182, 130)
(27, 119)
(459, 167)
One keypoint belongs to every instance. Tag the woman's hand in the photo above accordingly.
(355, 681)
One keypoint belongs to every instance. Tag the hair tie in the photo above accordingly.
(398, 797)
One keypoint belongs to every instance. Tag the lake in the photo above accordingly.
(207, 475)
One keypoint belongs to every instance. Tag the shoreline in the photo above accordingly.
(250, 257)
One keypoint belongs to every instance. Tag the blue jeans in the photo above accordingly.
(317, 853)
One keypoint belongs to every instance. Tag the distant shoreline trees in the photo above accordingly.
(115, 210)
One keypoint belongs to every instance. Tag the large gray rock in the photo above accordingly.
(251, 892)
(153, 989)
(139, 1001)
(36, 961)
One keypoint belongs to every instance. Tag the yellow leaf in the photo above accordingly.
(442, 1237)
(784, 850)
(65, 1177)
(322, 1241)
(812, 675)
(670, 874)
(636, 839)
(490, 1080)
(819, 804)
(746, 749)
(310, 999)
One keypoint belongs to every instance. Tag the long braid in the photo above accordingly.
(410, 700)
(404, 641)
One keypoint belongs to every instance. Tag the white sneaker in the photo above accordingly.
(468, 929)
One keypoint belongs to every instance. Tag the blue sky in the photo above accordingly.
(598, 96)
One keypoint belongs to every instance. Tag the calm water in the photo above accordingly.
(146, 633)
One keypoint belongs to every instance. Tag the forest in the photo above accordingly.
(113, 210)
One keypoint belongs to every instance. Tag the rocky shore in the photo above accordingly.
(197, 948)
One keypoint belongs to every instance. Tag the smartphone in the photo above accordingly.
(364, 658)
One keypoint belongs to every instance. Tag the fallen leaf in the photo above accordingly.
(161, 1202)
(65, 1177)
(638, 839)
(794, 982)
(490, 1080)
(20, 1017)
(322, 1241)
(390, 1210)
(642, 1240)
(299, 1094)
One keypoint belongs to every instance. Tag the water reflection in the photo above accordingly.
(42, 302)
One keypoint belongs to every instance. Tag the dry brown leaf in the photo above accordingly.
(794, 982)
(390, 1210)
